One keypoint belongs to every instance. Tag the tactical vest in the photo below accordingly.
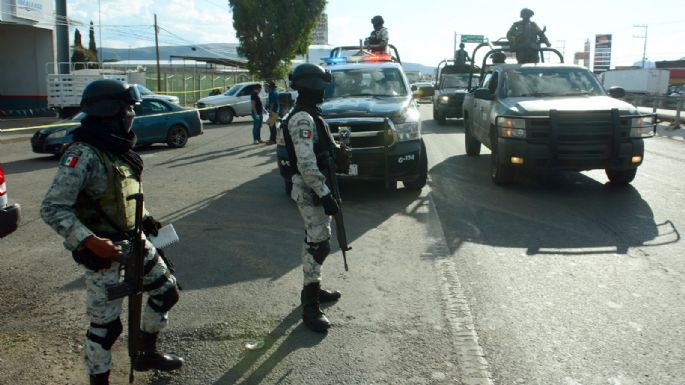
(323, 145)
(121, 182)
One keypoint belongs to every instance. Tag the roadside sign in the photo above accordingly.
(472, 38)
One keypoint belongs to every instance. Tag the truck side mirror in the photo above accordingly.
(617, 92)
(483, 93)
(413, 87)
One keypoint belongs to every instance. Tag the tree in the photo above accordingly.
(91, 43)
(272, 32)
(78, 55)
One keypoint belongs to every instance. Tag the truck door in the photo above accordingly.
(482, 108)
(243, 105)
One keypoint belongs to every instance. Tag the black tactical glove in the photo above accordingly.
(330, 205)
(151, 226)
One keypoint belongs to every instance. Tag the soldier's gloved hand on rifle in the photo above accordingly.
(330, 205)
(151, 226)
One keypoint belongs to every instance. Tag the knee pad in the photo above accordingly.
(113, 328)
(319, 250)
(168, 299)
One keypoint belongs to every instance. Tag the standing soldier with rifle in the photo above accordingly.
(310, 148)
(92, 203)
(525, 37)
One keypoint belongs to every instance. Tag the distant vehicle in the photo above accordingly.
(451, 85)
(9, 214)
(156, 121)
(236, 102)
(424, 90)
(648, 81)
(553, 117)
(146, 93)
(369, 106)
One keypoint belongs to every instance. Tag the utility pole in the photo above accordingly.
(455, 45)
(100, 28)
(159, 72)
(644, 49)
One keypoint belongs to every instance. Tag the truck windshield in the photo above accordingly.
(457, 81)
(523, 82)
(366, 82)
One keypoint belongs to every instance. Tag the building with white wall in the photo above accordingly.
(27, 47)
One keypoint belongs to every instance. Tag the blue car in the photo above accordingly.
(156, 121)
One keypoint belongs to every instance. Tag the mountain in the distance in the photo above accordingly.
(218, 50)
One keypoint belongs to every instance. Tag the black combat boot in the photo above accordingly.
(312, 316)
(99, 379)
(328, 295)
(150, 358)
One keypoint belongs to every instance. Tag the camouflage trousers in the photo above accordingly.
(101, 311)
(317, 226)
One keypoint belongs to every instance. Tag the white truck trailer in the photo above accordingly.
(648, 81)
(65, 90)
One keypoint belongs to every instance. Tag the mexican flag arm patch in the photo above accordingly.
(69, 160)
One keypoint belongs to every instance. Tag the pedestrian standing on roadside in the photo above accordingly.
(274, 108)
(87, 205)
(257, 114)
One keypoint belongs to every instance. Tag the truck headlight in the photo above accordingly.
(642, 126)
(444, 99)
(511, 127)
(408, 130)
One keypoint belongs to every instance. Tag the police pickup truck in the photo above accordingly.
(451, 84)
(370, 107)
(552, 117)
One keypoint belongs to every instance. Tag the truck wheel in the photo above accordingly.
(225, 115)
(470, 142)
(177, 136)
(621, 177)
(420, 181)
(500, 173)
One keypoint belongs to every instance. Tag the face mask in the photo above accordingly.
(127, 121)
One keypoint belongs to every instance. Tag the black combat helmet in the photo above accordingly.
(378, 19)
(309, 77)
(104, 98)
(526, 13)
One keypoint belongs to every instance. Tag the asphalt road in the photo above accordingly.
(554, 280)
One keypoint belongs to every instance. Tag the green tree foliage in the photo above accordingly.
(91, 42)
(80, 55)
(273, 32)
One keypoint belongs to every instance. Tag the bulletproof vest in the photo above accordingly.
(323, 145)
(121, 182)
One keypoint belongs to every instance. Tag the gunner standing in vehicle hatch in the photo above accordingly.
(377, 41)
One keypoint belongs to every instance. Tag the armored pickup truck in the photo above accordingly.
(552, 117)
(451, 84)
(370, 107)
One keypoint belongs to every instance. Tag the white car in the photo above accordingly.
(9, 214)
(234, 102)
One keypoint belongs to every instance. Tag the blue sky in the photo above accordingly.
(423, 31)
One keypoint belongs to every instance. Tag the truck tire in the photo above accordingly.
(621, 177)
(225, 115)
(470, 142)
(420, 181)
(500, 173)
(177, 136)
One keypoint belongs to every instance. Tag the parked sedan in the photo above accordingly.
(9, 214)
(156, 121)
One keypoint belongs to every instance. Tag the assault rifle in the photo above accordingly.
(340, 233)
(133, 284)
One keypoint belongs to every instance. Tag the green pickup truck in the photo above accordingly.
(552, 117)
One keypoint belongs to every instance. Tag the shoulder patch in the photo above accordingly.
(306, 133)
(69, 160)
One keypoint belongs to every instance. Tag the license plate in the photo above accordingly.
(353, 170)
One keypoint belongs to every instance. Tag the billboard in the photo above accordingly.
(602, 60)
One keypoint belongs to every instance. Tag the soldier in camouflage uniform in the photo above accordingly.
(525, 37)
(309, 143)
(378, 39)
(87, 205)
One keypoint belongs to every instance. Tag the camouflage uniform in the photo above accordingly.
(82, 170)
(304, 134)
(525, 37)
(379, 38)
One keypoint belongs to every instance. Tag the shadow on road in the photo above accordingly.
(568, 213)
